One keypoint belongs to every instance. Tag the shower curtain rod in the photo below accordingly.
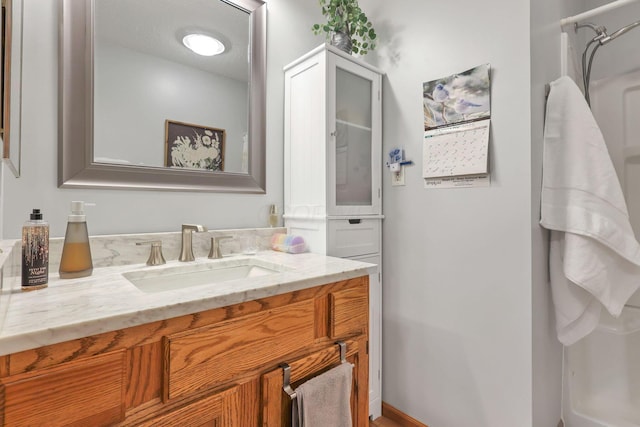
(594, 12)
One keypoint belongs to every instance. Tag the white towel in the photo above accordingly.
(594, 255)
(325, 400)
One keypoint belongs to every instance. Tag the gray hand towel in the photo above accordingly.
(324, 401)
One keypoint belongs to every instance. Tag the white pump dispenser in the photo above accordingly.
(77, 212)
(76, 252)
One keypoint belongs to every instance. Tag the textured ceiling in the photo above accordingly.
(156, 27)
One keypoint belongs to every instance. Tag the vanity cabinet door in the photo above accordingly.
(207, 412)
(224, 409)
(85, 392)
(349, 311)
(276, 404)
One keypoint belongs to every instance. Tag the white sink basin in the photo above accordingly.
(183, 276)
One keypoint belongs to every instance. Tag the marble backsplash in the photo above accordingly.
(113, 250)
(122, 249)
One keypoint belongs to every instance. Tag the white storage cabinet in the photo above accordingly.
(333, 163)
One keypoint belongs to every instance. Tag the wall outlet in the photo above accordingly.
(397, 178)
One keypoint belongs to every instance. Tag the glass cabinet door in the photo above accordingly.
(356, 140)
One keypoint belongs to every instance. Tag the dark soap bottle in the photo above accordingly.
(35, 252)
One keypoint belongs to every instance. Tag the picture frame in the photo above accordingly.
(191, 146)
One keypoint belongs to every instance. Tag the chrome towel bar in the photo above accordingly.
(286, 370)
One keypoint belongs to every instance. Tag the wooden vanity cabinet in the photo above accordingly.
(215, 368)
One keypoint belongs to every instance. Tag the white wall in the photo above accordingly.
(289, 36)
(467, 310)
(457, 263)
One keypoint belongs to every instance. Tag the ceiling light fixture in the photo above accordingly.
(203, 44)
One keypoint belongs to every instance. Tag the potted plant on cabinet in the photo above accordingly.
(347, 26)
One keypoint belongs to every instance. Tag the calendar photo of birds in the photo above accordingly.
(457, 98)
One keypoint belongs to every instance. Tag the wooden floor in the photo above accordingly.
(392, 417)
(383, 422)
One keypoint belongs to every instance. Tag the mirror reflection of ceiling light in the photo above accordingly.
(203, 44)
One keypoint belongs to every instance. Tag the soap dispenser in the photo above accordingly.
(35, 252)
(76, 253)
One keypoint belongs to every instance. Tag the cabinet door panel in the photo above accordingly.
(375, 336)
(276, 405)
(354, 115)
(353, 165)
(349, 313)
(214, 355)
(144, 374)
(205, 412)
(83, 392)
(223, 409)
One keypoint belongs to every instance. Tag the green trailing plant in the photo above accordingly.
(346, 17)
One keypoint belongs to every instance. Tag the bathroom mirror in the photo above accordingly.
(11, 28)
(139, 110)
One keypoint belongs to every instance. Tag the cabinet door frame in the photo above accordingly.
(333, 63)
(276, 405)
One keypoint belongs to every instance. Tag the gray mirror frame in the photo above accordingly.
(76, 168)
(12, 84)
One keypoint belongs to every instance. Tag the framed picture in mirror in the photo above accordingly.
(193, 146)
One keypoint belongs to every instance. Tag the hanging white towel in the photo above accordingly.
(594, 255)
(325, 400)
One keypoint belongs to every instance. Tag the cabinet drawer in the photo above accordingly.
(210, 356)
(352, 237)
(83, 392)
(349, 311)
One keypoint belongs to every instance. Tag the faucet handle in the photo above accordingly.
(155, 257)
(214, 252)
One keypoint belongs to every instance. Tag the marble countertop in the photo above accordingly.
(106, 301)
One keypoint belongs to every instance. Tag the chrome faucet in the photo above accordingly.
(186, 252)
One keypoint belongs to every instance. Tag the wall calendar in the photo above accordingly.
(457, 117)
